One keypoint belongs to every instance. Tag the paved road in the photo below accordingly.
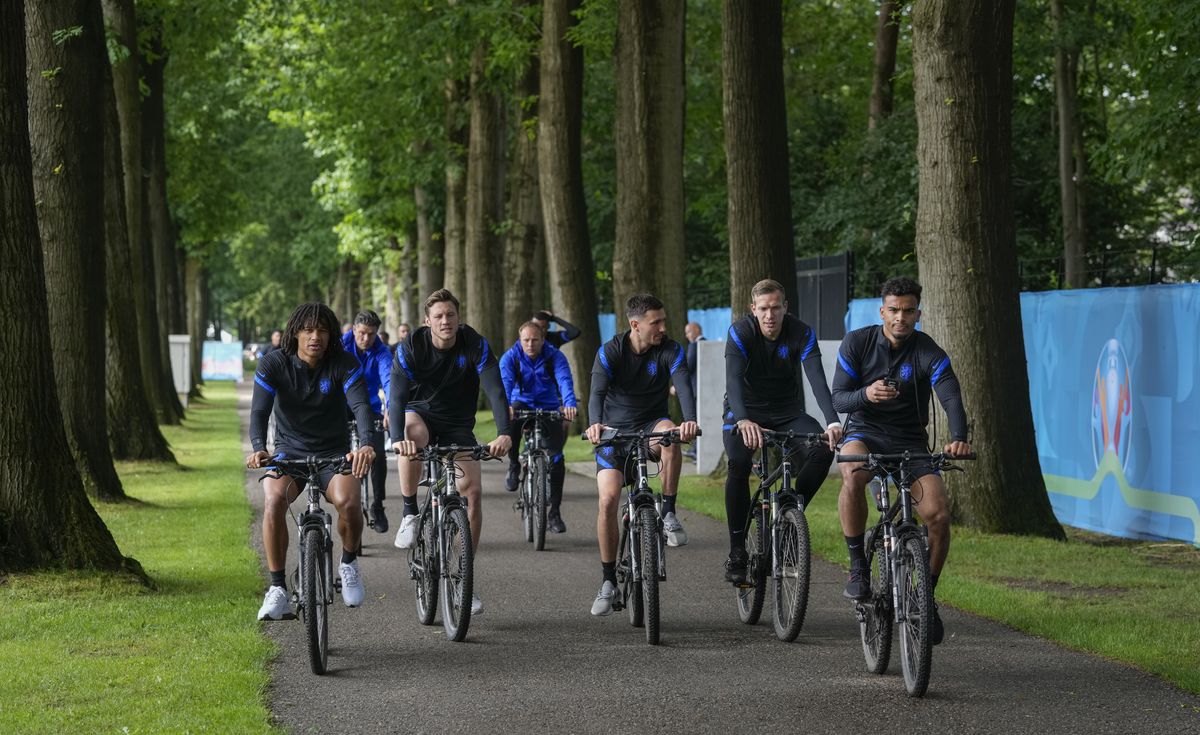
(537, 661)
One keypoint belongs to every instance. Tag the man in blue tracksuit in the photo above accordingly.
(373, 355)
(536, 375)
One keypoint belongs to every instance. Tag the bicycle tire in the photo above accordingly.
(527, 501)
(458, 575)
(758, 550)
(364, 499)
(794, 557)
(875, 629)
(423, 565)
(916, 652)
(316, 610)
(650, 538)
(541, 494)
(631, 588)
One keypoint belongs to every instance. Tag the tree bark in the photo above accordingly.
(408, 276)
(392, 265)
(45, 517)
(133, 431)
(966, 248)
(756, 150)
(560, 185)
(525, 252)
(648, 251)
(66, 132)
(1070, 149)
(430, 251)
(483, 306)
(458, 130)
(197, 312)
(887, 35)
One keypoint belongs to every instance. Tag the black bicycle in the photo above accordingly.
(313, 583)
(641, 553)
(777, 541)
(533, 500)
(441, 562)
(897, 549)
(366, 490)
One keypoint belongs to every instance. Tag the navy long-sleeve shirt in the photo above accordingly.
(309, 404)
(631, 389)
(763, 377)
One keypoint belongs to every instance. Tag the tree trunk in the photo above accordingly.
(197, 314)
(408, 276)
(483, 305)
(525, 253)
(756, 150)
(648, 251)
(66, 131)
(560, 184)
(392, 265)
(458, 130)
(365, 296)
(430, 251)
(1070, 149)
(887, 34)
(133, 431)
(966, 248)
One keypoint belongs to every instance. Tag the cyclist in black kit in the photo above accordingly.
(884, 377)
(307, 383)
(436, 376)
(630, 381)
(764, 355)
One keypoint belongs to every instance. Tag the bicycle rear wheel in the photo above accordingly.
(313, 582)
(758, 549)
(631, 588)
(541, 494)
(527, 501)
(649, 539)
(916, 652)
(423, 565)
(875, 615)
(793, 559)
(458, 575)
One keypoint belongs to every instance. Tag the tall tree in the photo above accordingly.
(1071, 161)
(887, 36)
(197, 315)
(524, 253)
(966, 248)
(560, 184)
(66, 55)
(756, 149)
(458, 133)
(648, 254)
(484, 304)
(430, 250)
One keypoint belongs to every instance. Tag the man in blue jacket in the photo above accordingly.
(536, 375)
(375, 358)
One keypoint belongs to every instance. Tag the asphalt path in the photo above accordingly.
(536, 660)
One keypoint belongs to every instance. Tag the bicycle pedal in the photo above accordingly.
(745, 585)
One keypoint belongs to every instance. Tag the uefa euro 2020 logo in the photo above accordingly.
(1112, 409)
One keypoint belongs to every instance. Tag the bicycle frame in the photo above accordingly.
(776, 500)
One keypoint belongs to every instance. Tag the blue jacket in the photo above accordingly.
(376, 366)
(528, 381)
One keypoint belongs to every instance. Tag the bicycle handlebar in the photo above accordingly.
(780, 438)
(537, 413)
(476, 452)
(300, 468)
(902, 457)
(614, 436)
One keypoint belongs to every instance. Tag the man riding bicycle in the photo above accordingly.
(884, 378)
(375, 359)
(764, 356)
(307, 384)
(630, 382)
(536, 375)
(436, 376)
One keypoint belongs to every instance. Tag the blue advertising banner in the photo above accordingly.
(221, 361)
(1114, 377)
(714, 324)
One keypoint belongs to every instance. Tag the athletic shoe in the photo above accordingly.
(513, 478)
(476, 605)
(554, 523)
(674, 530)
(859, 585)
(277, 605)
(352, 586)
(379, 519)
(736, 567)
(407, 535)
(604, 599)
(937, 631)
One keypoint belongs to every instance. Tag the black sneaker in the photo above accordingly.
(936, 631)
(379, 519)
(554, 523)
(735, 567)
(858, 588)
(513, 478)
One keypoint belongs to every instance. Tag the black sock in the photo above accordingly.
(933, 578)
(858, 556)
(278, 579)
(610, 571)
(410, 505)
(668, 504)
(348, 557)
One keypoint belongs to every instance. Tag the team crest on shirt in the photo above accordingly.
(607, 451)
(906, 371)
(652, 367)
(325, 385)
(782, 352)
(462, 360)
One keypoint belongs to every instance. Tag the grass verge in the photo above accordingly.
(87, 653)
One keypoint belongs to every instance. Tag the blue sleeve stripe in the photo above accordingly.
(846, 366)
(265, 386)
(939, 367)
(678, 360)
(604, 362)
(483, 356)
(727, 427)
(404, 363)
(350, 380)
(812, 343)
(738, 341)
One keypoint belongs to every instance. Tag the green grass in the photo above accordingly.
(85, 653)
(1135, 602)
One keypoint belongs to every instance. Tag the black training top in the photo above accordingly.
(444, 384)
(565, 334)
(630, 390)
(762, 376)
(309, 404)
(917, 366)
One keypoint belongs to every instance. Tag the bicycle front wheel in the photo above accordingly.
(793, 560)
(458, 575)
(649, 539)
(631, 588)
(541, 494)
(364, 499)
(758, 549)
(316, 610)
(423, 565)
(527, 501)
(875, 615)
(916, 652)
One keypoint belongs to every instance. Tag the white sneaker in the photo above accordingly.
(476, 605)
(407, 535)
(604, 599)
(352, 586)
(277, 605)
(676, 536)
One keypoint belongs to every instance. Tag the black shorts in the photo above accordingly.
(618, 458)
(442, 432)
(880, 443)
(324, 475)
